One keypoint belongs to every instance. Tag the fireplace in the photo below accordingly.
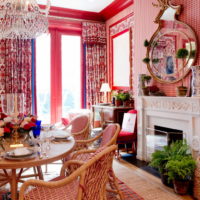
(178, 116)
(170, 134)
(161, 136)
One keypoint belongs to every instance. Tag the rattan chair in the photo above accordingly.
(87, 182)
(108, 137)
(79, 127)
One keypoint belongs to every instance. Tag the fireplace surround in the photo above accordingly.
(182, 113)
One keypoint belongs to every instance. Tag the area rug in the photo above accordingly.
(127, 192)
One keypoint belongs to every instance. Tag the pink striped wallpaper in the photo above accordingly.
(144, 27)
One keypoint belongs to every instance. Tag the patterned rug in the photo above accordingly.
(128, 193)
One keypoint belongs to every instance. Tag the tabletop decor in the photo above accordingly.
(14, 127)
(122, 97)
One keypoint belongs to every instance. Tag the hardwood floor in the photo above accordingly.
(143, 183)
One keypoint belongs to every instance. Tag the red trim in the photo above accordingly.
(56, 85)
(108, 12)
(114, 87)
(72, 13)
(115, 7)
(63, 24)
(120, 33)
(111, 50)
(120, 88)
(56, 72)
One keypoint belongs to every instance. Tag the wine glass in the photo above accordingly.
(7, 102)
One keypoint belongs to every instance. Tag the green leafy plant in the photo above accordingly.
(181, 169)
(146, 43)
(145, 80)
(146, 60)
(182, 53)
(155, 60)
(175, 150)
(123, 95)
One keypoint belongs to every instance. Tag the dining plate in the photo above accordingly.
(61, 134)
(21, 152)
(22, 158)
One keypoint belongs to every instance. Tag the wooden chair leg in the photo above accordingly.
(40, 174)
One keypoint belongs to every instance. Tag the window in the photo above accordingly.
(71, 77)
(58, 75)
(43, 76)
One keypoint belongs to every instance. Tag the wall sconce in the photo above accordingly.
(105, 88)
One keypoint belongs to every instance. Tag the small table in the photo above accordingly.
(113, 114)
(58, 151)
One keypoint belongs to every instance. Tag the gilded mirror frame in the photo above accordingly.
(189, 41)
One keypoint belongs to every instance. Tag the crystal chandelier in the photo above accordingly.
(22, 19)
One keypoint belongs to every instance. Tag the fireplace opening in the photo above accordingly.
(171, 134)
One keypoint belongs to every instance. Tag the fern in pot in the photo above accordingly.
(181, 170)
(160, 158)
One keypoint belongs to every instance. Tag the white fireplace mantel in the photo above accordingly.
(182, 113)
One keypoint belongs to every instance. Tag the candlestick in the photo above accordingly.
(15, 105)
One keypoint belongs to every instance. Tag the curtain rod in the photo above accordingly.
(74, 19)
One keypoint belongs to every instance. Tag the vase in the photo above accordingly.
(145, 91)
(195, 84)
(118, 102)
(181, 91)
(164, 179)
(181, 187)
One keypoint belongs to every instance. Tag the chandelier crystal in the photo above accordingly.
(22, 19)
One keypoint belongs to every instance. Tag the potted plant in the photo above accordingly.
(160, 158)
(123, 96)
(145, 80)
(181, 170)
(182, 54)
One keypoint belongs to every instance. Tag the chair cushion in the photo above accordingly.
(125, 136)
(65, 121)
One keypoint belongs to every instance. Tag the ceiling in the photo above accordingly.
(86, 5)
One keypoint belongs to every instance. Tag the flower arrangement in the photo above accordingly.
(123, 95)
(9, 123)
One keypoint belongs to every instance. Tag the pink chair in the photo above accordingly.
(87, 182)
(108, 137)
(126, 137)
(80, 127)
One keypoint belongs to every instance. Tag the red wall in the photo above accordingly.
(144, 27)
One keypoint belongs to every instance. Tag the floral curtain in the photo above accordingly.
(15, 69)
(94, 40)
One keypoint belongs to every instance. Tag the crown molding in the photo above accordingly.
(108, 12)
(115, 7)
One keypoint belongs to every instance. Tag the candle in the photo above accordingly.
(15, 104)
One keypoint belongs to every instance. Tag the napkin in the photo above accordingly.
(21, 151)
(60, 134)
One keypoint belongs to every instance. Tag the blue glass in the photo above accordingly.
(38, 122)
(37, 129)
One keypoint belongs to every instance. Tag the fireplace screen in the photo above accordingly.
(158, 137)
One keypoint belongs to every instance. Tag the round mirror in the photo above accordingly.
(172, 48)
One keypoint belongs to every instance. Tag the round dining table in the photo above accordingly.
(58, 150)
